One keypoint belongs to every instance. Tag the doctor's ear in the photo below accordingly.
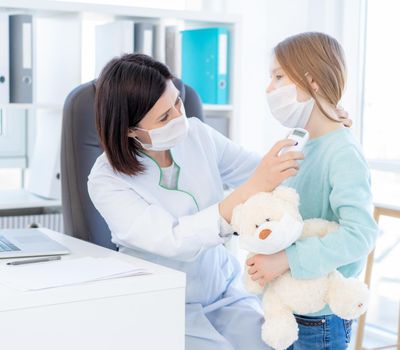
(132, 133)
(313, 84)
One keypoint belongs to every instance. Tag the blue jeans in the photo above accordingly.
(322, 333)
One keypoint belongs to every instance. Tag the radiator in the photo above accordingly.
(52, 221)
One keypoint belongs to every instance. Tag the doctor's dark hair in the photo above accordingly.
(128, 87)
(320, 56)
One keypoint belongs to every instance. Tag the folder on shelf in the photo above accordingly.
(20, 58)
(173, 49)
(112, 40)
(144, 38)
(4, 60)
(43, 174)
(13, 138)
(159, 41)
(59, 67)
(205, 63)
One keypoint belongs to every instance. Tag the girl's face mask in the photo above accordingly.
(287, 109)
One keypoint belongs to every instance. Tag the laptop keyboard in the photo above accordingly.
(7, 246)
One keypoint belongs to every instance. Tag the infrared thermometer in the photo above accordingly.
(301, 137)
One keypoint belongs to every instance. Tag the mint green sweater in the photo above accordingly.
(334, 184)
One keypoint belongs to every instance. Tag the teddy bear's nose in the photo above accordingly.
(264, 233)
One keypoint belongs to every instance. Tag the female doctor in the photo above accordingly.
(159, 186)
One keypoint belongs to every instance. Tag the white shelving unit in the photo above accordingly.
(21, 199)
(101, 13)
(217, 108)
(31, 106)
(65, 31)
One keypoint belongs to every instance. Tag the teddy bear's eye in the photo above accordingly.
(268, 220)
(257, 226)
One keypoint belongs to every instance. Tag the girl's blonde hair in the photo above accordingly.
(320, 56)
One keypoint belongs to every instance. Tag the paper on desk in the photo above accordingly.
(66, 272)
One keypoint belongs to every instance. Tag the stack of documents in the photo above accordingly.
(67, 272)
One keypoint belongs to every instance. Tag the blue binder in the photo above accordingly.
(205, 63)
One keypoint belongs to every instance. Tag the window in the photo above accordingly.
(381, 123)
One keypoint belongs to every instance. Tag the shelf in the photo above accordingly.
(217, 108)
(13, 162)
(21, 199)
(30, 106)
(76, 22)
(57, 7)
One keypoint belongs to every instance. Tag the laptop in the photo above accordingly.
(15, 243)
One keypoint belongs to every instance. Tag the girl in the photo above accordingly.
(308, 76)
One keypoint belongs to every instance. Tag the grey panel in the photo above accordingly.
(219, 123)
(140, 38)
(21, 59)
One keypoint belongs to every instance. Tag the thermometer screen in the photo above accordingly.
(299, 133)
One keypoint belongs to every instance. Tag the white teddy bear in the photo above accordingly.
(270, 222)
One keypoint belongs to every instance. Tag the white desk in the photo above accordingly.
(135, 313)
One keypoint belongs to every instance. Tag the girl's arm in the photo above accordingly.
(351, 202)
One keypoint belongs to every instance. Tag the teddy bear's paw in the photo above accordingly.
(350, 299)
(254, 287)
(280, 332)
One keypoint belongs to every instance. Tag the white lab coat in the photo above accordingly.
(180, 229)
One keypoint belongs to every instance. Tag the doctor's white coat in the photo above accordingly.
(181, 229)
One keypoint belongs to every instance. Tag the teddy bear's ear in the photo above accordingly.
(287, 194)
(237, 217)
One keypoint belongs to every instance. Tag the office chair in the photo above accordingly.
(80, 148)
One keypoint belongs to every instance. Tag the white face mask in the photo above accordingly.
(287, 110)
(167, 136)
(283, 233)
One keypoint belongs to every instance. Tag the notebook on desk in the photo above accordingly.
(15, 243)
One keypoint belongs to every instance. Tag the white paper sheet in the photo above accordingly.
(65, 272)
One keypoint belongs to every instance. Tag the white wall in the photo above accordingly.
(265, 23)
(253, 76)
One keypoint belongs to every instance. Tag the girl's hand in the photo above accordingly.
(274, 169)
(344, 117)
(265, 268)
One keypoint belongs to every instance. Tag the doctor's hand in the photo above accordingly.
(271, 172)
(274, 169)
(265, 268)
